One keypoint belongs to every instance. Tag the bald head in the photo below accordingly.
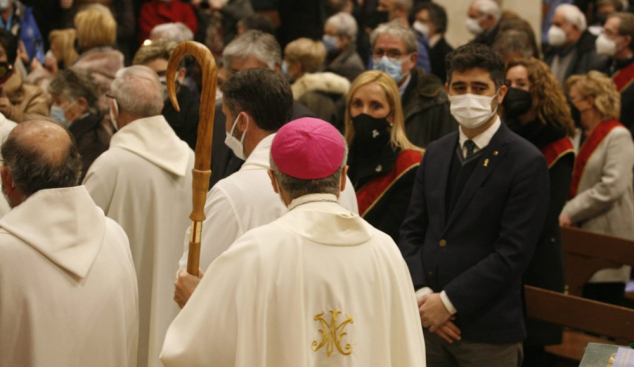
(38, 155)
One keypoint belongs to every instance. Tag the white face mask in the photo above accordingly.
(605, 46)
(470, 110)
(473, 25)
(234, 144)
(556, 36)
(421, 27)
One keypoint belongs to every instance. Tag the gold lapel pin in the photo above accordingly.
(495, 153)
(486, 162)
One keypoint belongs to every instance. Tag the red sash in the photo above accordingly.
(556, 150)
(374, 190)
(624, 77)
(587, 149)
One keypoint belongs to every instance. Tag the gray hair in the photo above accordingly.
(296, 187)
(573, 16)
(488, 7)
(345, 23)
(397, 30)
(258, 44)
(34, 167)
(74, 83)
(138, 91)
(177, 32)
(514, 41)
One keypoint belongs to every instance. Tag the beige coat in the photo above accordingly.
(605, 200)
(26, 100)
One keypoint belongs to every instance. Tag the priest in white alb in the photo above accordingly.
(68, 291)
(144, 182)
(317, 287)
(256, 103)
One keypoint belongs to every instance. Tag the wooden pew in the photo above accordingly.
(585, 253)
(580, 314)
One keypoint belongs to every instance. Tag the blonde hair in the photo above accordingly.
(310, 54)
(96, 27)
(398, 138)
(548, 96)
(607, 100)
(64, 40)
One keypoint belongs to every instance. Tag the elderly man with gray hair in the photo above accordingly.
(424, 100)
(483, 20)
(572, 47)
(340, 35)
(144, 183)
(253, 49)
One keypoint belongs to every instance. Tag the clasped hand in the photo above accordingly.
(434, 315)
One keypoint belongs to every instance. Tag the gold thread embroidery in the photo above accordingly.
(331, 334)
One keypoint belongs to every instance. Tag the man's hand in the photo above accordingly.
(449, 331)
(433, 312)
(565, 221)
(185, 285)
(65, 4)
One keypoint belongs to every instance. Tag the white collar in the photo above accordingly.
(259, 157)
(313, 198)
(154, 139)
(481, 141)
(433, 40)
(401, 89)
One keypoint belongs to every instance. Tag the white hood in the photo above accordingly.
(64, 225)
(260, 156)
(153, 139)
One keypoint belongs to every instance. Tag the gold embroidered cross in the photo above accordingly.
(331, 334)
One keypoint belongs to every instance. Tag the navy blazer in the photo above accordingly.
(478, 253)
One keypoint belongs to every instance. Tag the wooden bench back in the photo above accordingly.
(587, 252)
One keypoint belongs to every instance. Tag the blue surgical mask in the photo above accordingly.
(392, 67)
(330, 43)
(285, 70)
(59, 113)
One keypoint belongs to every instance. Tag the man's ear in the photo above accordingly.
(447, 87)
(412, 58)
(182, 72)
(7, 181)
(273, 181)
(502, 93)
(83, 103)
(244, 121)
(344, 179)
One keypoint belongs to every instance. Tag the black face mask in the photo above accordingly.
(376, 18)
(370, 134)
(517, 102)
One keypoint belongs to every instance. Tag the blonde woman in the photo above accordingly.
(382, 160)
(601, 197)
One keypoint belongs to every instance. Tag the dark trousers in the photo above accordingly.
(613, 293)
(470, 354)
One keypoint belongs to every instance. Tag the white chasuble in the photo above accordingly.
(243, 201)
(144, 182)
(68, 290)
(316, 287)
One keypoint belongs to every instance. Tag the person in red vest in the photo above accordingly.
(158, 12)
(535, 108)
(616, 42)
(382, 160)
(601, 196)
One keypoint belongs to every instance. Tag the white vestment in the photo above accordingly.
(317, 287)
(68, 291)
(243, 201)
(6, 126)
(144, 182)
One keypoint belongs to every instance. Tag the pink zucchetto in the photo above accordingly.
(308, 149)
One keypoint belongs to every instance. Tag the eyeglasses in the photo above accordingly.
(6, 70)
(392, 54)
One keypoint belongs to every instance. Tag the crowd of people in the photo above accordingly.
(376, 197)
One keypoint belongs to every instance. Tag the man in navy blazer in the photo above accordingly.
(478, 206)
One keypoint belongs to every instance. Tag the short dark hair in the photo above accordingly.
(476, 55)
(437, 14)
(74, 83)
(32, 169)
(10, 44)
(262, 93)
(258, 22)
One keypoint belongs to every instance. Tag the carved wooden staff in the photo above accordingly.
(201, 171)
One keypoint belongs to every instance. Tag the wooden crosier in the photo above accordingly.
(201, 171)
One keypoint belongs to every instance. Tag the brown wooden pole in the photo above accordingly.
(201, 171)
